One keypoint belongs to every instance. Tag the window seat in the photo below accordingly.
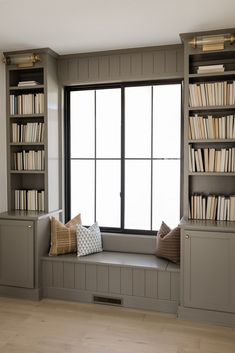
(136, 280)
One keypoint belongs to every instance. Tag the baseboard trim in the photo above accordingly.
(209, 316)
(22, 293)
(165, 306)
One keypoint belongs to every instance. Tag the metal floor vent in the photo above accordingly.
(107, 300)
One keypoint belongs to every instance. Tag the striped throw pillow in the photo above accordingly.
(63, 237)
(168, 243)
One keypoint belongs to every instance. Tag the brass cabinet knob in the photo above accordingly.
(186, 236)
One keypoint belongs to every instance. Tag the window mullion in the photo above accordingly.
(95, 181)
(151, 196)
(122, 157)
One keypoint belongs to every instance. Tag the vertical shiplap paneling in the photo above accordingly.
(80, 276)
(164, 285)
(175, 286)
(104, 68)
(151, 283)
(58, 274)
(148, 63)
(47, 273)
(114, 279)
(93, 68)
(126, 281)
(83, 67)
(171, 61)
(136, 64)
(159, 62)
(63, 70)
(180, 61)
(73, 69)
(102, 279)
(125, 65)
(69, 275)
(114, 67)
(138, 282)
(91, 278)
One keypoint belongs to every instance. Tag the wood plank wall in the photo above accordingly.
(153, 63)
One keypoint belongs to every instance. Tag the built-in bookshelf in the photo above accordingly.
(209, 137)
(33, 132)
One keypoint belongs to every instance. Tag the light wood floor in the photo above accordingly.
(51, 326)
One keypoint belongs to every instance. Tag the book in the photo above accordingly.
(210, 69)
(28, 83)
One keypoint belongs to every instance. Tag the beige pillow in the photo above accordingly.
(168, 243)
(63, 237)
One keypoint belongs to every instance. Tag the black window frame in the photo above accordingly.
(67, 159)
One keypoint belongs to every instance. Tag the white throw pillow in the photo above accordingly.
(88, 239)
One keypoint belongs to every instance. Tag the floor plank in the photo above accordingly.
(52, 326)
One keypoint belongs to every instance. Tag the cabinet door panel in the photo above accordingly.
(208, 270)
(16, 253)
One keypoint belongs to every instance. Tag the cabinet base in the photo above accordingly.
(23, 293)
(215, 317)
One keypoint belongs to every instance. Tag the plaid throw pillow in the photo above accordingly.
(63, 237)
(168, 243)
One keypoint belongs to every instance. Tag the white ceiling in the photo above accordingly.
(73, 26)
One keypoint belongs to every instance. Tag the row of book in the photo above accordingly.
(211, 160)
(30, 200)
(29, 160)
(213, 207)
(205, 128)
(30, 132)
(211, 94)
(27, 103)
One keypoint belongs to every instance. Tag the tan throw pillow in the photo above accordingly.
(168, 243)
(63, 237)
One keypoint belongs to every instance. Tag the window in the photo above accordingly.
(123, 155)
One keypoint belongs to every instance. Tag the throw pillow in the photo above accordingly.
(168, 243)
(63, 237)
(88, 240)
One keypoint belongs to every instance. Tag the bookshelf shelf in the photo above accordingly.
(220, 75)
(206, 174)
(27, 144)
(213, 108)
(27, 171)
(26, 88)
(26, 116)
(211, 141)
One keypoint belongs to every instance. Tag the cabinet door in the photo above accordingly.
(209, 270)
(16, 253)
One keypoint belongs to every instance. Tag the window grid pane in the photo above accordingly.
(152, 156)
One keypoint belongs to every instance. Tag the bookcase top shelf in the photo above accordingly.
(25, 88)
(213, 74)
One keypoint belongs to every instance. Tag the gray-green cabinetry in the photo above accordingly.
(16, 253)
(24, 239)
(208, 274)
(209, 270)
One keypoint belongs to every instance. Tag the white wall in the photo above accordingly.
(3, 168)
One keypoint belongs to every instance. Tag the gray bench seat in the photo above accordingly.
(119, 259)
(135, 279)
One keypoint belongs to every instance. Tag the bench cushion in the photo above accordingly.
(119, 259)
